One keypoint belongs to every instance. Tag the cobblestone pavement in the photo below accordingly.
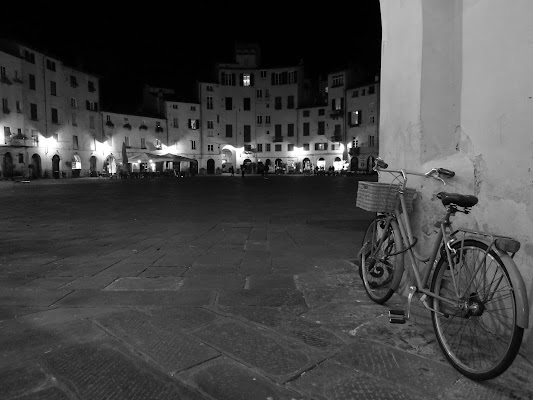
(206, 288)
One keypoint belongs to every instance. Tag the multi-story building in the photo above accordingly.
(51, 124)
(249, 116)
(362, 107)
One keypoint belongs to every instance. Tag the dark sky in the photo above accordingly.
(174, 45)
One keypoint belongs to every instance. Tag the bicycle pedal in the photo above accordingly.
(397, 316)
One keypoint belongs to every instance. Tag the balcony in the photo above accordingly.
(355, 151)
(143, 127)
(6, 110)
(336, 137)
(127, 126)
(336, 114)
(159, 129)
(18, 80)
(277, 139)
(5, 79)
(19, 141)
(110, 124)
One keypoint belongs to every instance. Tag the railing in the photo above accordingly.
(278, 139)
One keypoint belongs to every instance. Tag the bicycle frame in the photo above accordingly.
(446, 237)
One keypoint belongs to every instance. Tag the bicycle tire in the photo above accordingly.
(480, 341)
(377, 266)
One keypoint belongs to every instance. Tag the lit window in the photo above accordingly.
(246, 80)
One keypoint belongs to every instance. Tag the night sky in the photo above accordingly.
(175, 45)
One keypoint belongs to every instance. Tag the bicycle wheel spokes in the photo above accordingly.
(478, 333)
(378, 260)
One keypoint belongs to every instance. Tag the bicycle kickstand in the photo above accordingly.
(402, 316)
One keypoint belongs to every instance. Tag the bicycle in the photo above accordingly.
(469, 281)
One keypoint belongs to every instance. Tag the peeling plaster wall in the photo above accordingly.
(456, 92)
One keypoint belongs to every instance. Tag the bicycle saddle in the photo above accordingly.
(460, 200)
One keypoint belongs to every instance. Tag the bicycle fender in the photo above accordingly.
(398, 272)
(522, 306)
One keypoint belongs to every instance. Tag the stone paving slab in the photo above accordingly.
(123, 269)
(47, 283)
(214, 282)
(183, 319)
(334, 381)
(270, 281)
(310, 333)
(421, 375)
(210, 269)
(149, 335)
(289, 298)
(274, 356)
(224, 378)
(89, 282)
(114, 373)
(60, 315)
(129, 298)
(141, 283)
(156, 272)
(31, 297)
(10, 312)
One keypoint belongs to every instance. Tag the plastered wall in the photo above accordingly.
(456, 92)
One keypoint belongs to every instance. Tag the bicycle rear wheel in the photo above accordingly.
(478, 333)
(378, 261)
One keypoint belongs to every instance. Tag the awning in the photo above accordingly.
(147, 157)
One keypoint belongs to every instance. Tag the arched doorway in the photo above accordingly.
(110, 165)
(92, 166)
(227, 160)
(35, 166)
(7, 165)
(193, 167)
(76, 166)
(210, 166)
(337, 164)
(321, 164)
(247, 163)
(353, 164)
(55, 166)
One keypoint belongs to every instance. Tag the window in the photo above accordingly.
(210, 124)
(33, 112)
(355, 118)
(277, 104)
(321, 146)
(21, 158)
(75, 142)
(29, 56)
(53, 88)
(263, 74)
(73, 81)
(193, 108)
(143, 143)
(127, 141)
(92, 105)
(277, 129)
(3, 73)
(363, 90)
(193, 144)
(321, 111)
(55, 117)
(5, 107)
(246, 80)
(267, 119)
(290, 130)
(92, 125)
(306, 129)
(74, 119)
(158, 144)
(268, 147)
(247, 147)
(371, 141)
(229, 103)
(175, 123)
(110, 140)
(371, 119)
(73, 102)
(194, 124)
(7, 133)
(306, 146)
(292, 76)
(246, 104)
(277, 147)
(209, 102)
(290, 147)
(229, 130)
(259, 120)
(247, 133)
(35, 137)
(321, 128)
(91, 86)
(306, 113)
(51, 65)
(175, 106)
(227, 79)
(32, 82)
(17, 106)
(337, 80)
(355, 93)
(260, 147)
(210, 147)
(267, 94)
(259, 93)
(55, 136)
(209, 88)
(290, 102)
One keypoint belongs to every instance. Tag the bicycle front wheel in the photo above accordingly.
(378, 260)
(477, 331)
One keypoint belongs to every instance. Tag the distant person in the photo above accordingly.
(265, 172)
(242, 170)
(232, 171)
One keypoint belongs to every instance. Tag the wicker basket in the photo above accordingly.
(382, 197)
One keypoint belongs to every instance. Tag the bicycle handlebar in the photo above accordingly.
(434, 172)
